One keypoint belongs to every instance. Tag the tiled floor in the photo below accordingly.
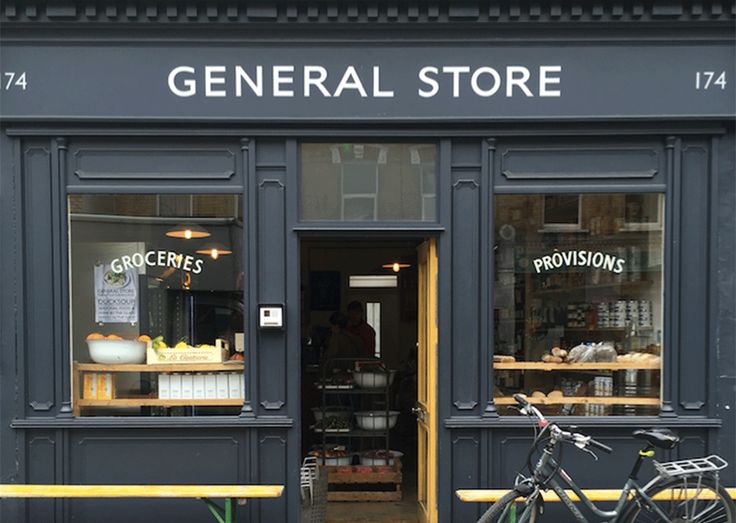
(404, 511)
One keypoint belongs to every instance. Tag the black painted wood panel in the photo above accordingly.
(208, 164)
(152, 457)
(465, 283)
(40, 333)
(564, 164)
(271, 270)
(694, 351)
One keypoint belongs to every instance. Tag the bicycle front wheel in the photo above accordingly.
(697, 499)
(506, 510)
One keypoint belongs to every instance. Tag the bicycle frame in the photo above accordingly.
(547, 465)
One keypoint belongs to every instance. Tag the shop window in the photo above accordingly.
(368, 182)
(578, 302)
(156, 284)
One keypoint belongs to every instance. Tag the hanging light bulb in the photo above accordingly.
(214, 250)
(188, 231)
(396, 266)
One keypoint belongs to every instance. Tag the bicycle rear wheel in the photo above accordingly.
(697, 499)
(505, 510)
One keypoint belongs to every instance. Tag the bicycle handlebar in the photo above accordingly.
(579, 440)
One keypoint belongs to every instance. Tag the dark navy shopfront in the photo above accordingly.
(518, 198)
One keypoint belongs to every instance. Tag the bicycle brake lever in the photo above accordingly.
(587, 450)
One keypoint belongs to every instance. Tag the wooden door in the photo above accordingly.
(426, 407)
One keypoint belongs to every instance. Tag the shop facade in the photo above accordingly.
(570, 165)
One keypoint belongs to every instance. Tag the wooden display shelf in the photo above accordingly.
(613, 365)
(159, 367)
(582, 400)
(147, 401)
(591, 287)
(364, 495)
(389, 477)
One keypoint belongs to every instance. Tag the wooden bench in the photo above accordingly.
(223, 514)
(493, 495)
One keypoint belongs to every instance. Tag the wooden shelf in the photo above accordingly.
(625, 284)
(160, 367)
(571, 367)
(582, 400)
(147, 401)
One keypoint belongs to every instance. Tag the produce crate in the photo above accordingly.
(217, 354)
(365, 483)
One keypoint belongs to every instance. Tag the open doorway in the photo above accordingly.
(360, 322)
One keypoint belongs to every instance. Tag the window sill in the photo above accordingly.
(153, 422)
(502, 422)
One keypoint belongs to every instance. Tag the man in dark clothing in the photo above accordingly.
(358, 327)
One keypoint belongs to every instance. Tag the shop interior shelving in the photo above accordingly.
(388, 477)
(149, 400)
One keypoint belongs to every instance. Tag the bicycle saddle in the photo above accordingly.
(662, 438)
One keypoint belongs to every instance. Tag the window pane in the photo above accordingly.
(578, 308)
(156, 283)
(396, 182)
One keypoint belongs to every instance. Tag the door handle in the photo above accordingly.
(419, 413)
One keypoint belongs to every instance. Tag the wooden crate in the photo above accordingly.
(217, 354)
(387, 478)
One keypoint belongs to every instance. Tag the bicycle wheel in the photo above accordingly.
(502, 509)
(697, 499)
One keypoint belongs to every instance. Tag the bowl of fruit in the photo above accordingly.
(113, 349)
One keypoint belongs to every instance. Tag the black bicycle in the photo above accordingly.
(683, 491)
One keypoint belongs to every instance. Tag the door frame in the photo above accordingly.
(424, 237)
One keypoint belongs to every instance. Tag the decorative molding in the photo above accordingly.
(272, 405)
(465, 405)
(105, 12)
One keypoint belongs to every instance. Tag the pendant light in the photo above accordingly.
(396, 266)
(214, 250)
(188, 231)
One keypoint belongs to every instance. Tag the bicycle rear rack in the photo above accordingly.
(712, 463)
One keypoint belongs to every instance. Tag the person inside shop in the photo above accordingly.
(342, 344)
(358, 327)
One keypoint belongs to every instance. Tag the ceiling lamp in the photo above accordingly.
(187, 231)
(396, 266)
(214, 250)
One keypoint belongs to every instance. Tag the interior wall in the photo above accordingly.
(398, 305)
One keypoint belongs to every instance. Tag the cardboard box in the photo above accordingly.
(233, 385)
(187, 386)
(175, 386)
(210, 386)
(217, 354)
(105, 386)
(164, 389)
(89, 385)
(198, 386)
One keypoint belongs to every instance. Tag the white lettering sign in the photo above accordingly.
(172, 259)
(283, 81)
(560, 259)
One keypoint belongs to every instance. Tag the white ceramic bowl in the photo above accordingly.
(332, 412)
(373, 380)
(369, 461)
(376, 419)
(110, 352)
(336, 462)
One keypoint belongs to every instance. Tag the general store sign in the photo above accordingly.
(282, 83)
